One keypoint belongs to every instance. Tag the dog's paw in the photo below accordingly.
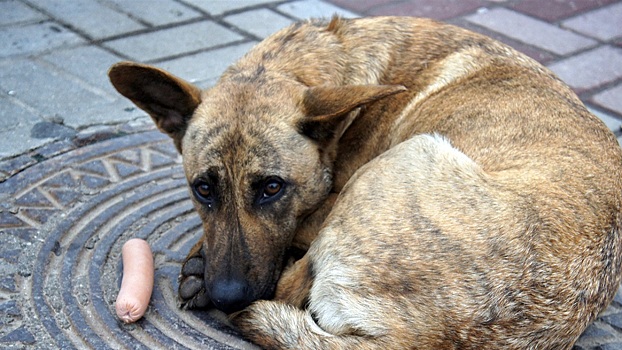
(191, 285)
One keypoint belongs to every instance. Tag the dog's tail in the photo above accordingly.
(275, 325)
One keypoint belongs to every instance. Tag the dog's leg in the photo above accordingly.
(310, 226)
(191, 283)
(295, 283)
(275, 325)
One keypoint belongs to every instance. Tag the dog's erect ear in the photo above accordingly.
(169, 100)
(326, 107)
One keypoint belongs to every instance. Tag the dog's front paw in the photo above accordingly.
(191, 284)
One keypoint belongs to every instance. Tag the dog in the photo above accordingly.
(449, 191)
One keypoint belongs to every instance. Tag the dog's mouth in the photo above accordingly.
(232, 294)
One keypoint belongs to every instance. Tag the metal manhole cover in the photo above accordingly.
(62, 225)
(62, 228)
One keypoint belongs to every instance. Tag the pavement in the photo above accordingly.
(82, 170)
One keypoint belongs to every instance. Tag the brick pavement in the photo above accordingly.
(56, 102)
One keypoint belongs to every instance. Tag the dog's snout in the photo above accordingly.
(230, 295)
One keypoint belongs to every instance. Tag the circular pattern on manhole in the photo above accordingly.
(63, 228)
(62, 225)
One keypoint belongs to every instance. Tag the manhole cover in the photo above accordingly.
(62, 226)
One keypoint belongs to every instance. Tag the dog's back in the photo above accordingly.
(424, 249)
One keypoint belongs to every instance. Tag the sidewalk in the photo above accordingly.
(81, 168)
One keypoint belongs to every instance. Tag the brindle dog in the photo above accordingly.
(500, 231)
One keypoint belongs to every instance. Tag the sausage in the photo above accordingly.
(137, 282)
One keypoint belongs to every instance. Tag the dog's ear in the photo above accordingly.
(326, 107)
(169, 100)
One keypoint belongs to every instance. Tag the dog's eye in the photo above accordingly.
(203, 191)
(271, 190)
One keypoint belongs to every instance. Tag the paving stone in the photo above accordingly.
(610, 99)
(440, 9)
(15, 136)
(590, 69)
(537, 54)
(13, 12)
(612, 122)
(168, 11)
(221, 7)
(35, 38)
(20, 76)
(531, 31)
(205, 66)
(361, 7)
(260, 23)
(81, 15)
(313, 9)
(604, 23)
(173, 41)
(88, 63)
(552, 11)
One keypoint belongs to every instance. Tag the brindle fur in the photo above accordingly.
(504, 232)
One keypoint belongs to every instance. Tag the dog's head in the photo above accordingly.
(258, 156)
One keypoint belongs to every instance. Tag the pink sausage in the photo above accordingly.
(137, 283)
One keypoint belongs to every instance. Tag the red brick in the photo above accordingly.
(553, 10)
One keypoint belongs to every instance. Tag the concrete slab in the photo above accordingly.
(531, 31)
(90, 17)
(35, 38)
(604, 23)
(218, 8)
(313, 9)
(260, 23)
(175, 41)
(15, 12)
(590, 69)
(168, 11)
(610, 98)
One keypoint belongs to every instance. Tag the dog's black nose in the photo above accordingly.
(230, 295)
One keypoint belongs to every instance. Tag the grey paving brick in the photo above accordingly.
(219, 7)
(612, 122)
(531, 31)
(35, 38)
(610, 99)
(173, 41)
(590, 69)
(205, 67)
(55, 95)
(88, 63)
(260, 23)
(16, 123)
(155, 12)
(12, 12)
(313, 9)
(604, 23)
(90, 17)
